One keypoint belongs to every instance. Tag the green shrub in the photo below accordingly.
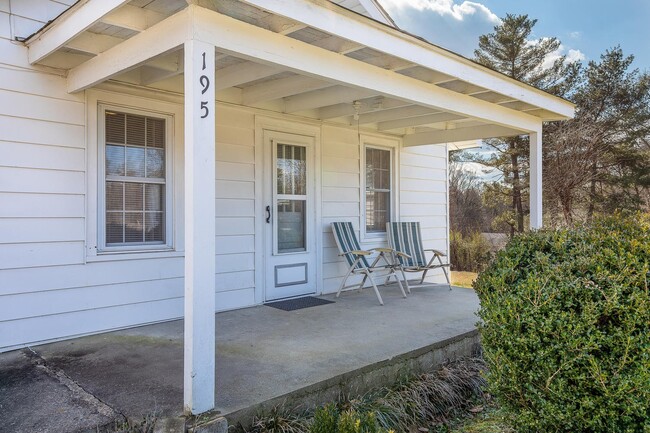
(469, 253)
(566, 328)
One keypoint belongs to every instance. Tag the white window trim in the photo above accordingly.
(97, 103)
(383, 143)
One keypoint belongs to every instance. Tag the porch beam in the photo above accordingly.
(160, 38)
(418, 120)
(319, 14)
(241, 73)
(199, 198)
(151, 74)
(132, 18)
(324, 97)
(69, 25)
(535, 173)
(459, 134)
(246, 40)
(93, 43)
(371, 105)
(281, 87)
(395, 113)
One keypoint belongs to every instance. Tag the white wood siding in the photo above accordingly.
(423, 196)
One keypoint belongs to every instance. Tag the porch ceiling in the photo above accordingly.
(84, 33)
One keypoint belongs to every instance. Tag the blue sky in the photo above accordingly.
(586, 28)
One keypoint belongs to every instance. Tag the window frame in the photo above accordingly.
(168, 244)
(391, 145)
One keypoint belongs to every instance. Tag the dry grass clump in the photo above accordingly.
(429, 400)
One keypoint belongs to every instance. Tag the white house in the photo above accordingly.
(170, 158)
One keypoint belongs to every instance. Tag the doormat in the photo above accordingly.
(298, 303)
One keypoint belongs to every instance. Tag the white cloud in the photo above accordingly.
(452, 24)
(575, 35)
(571, 54)
(444, 7)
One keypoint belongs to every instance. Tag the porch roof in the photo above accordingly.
(314, 58)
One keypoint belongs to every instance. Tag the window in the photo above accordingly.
(135, 179)
(378, 197)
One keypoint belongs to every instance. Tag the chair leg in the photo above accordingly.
(374, 286)
(424, 275)
(444, 269)
(399, 283)
(406, 281)
(347, 275)
(365, 277)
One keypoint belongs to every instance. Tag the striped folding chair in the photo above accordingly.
(357, 259)
(406, 238)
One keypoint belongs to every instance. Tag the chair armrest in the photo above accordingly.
(436, 252)
(383, 250)
(357, 253)
(401, 254)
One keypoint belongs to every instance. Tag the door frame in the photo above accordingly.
(282, 125)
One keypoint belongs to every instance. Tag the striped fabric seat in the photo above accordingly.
(406, 238)
(347, 241)
(357, 259)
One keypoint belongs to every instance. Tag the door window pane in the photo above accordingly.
(378, 189)
(291, 169)
(291, 226)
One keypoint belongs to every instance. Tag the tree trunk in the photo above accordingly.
(517, 206)
(592, 192)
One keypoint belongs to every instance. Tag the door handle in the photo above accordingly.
(268, 214)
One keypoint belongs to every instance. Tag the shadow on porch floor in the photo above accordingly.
(262, 353)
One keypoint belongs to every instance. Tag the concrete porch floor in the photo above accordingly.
(262, 353)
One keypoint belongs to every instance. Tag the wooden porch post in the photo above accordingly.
(536, 179)
(199, 360)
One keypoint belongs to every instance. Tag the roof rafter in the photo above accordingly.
(74, 21)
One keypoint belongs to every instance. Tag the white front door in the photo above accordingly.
(290, 235)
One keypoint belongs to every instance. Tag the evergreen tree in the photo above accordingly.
(511, 51)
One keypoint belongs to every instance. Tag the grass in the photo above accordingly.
(489, 420)
(463, 279)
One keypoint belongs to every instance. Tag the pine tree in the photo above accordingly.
(511, 51)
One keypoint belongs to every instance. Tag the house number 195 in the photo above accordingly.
(204, 81)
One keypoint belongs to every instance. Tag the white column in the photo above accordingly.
(536, 179)
(199, 366)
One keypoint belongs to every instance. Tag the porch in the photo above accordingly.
(264, 357)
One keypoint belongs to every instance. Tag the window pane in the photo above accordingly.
(291, 226)
(115, 127)
(135, 130)
(135, 161)
(114, 196)
(115, 160)
(155, 132)
(133, 196)
(154, 227)
(134, 227)
(155, 163)
(291, 169)
(114, 228)
(154, 197)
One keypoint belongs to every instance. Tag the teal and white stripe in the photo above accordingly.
(346, 240)
(405, 237)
